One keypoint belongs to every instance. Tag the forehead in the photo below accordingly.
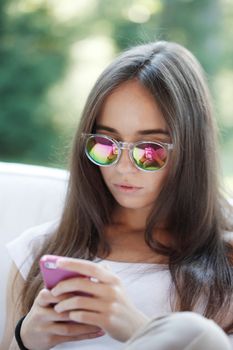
(130, 108)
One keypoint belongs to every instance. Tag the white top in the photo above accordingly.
(147, 285)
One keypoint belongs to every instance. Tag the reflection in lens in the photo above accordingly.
(102, 150)
(150, 156)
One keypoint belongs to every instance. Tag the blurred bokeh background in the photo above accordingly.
(52, 51)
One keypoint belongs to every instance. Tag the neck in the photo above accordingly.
(131, 219)
(126, 237)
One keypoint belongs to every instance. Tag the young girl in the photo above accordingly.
(144, 218)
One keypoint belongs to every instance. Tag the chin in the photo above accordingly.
(128, 203)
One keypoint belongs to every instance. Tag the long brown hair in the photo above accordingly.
(190, 202)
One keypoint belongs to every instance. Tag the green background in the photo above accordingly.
(51, 53)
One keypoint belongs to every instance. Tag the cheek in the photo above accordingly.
(151, 182)
(107, 173)
(103, 172)
(154, 183)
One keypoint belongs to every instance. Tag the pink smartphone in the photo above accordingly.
(52, 274)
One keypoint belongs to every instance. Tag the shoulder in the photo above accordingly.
(228, 236)
(23, 249)
(34, 234)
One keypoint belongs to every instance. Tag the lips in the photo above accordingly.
(126, 185)
(127, 188)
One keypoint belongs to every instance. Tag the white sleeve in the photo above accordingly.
(21, 248)
(231, 339)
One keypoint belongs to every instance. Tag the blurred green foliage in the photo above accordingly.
(195, 24)
(33, 56)
(35, 48)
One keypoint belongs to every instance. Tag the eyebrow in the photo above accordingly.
(139, 132)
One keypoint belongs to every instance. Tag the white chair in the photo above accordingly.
(29, 196)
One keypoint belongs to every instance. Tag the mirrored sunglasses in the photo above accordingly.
(105, 151)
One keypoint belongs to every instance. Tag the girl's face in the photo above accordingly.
(131, 114)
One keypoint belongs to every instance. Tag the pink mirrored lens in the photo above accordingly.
(102, 150)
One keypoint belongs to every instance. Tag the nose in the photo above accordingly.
(124, 164)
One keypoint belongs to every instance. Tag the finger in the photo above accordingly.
(59, 317)
(98, 290)
(64, 339)
(48, 314)
(81, 303)
(88, 318)
(45, 298)
(88, 268)
(72, 329)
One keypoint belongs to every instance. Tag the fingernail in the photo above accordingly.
(54, 292)
(57, 309)
(100, 333)
(60, 261)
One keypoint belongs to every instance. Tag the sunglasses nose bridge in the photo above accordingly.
(125, 145)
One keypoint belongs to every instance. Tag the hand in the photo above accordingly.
(108, 307)
(44, 328)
